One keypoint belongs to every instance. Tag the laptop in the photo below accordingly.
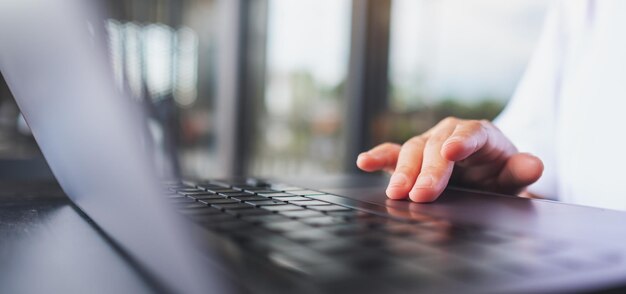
(318, 235)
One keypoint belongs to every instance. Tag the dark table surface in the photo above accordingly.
(47, 246)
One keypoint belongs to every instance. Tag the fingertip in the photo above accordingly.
(530, 167)
(395, 194)
(398, 187)
(366, 162)
(423, 195)
(536, 161)
(521, 170)
(534, 165)
(361, 160)
(426, 189)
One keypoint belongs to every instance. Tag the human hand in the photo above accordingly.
(465, 152)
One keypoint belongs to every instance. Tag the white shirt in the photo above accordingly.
(570, 107)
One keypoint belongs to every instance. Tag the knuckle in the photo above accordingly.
(486, 124)
(434, 170)
(459, 138)
(439, 137)
(386, 145)
(474, 124)
(415, 142)
(407, 169)
(475, 127)
(450, 120)
(447, 124)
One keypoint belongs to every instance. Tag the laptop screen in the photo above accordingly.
(92, 134)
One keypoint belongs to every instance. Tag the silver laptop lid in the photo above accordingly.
(53, 59)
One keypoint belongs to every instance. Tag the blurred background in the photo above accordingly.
(275, 87)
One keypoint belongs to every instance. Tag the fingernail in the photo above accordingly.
(397, 180)
(424, 182)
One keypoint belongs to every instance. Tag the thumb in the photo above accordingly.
(519, 171)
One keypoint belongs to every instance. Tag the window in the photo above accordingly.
(446, 57)
(455, 58)
(299, 127)
(164, 57)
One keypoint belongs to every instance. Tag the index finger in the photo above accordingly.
(381, 157)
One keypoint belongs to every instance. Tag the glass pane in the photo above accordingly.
(456, 58)
(163, 54)
(300, 128)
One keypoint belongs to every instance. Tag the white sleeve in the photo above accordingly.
(529, 119)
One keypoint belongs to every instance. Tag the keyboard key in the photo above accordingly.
(191, 206)
(370, 240)
(368, 261)
(259, 192)
(235, 194)
(473, 275)
(207, 197)
(294, 198)
(202, 211)
(249, 198)
(228, 226)
(260, 239)
(173, 183)
(223, 190)
(214, 184)
(251, 234)
(328, 208)
(527, 269)
(349, 229)
(351, 214)
(286, 188)
(306, 192)
(323, 221)
(409, 249)
(286, 226)
(372, 221)
(350, 242)
(267, 202)
(209, 186)
(173, 195)
(308, 236)
(231, 206)
(402, 229)
(180, 201)
(242, 212)
(283, 207)
(253, 182)
(276, 195)
(197, 193)
(252, 188)
(188, 190)
(265, 218)
(211, 218)
(298, 260)
(301, 213)
(333, 247)
(218, 201)
(310, 203)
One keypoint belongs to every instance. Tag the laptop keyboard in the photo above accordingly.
(299, 229)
